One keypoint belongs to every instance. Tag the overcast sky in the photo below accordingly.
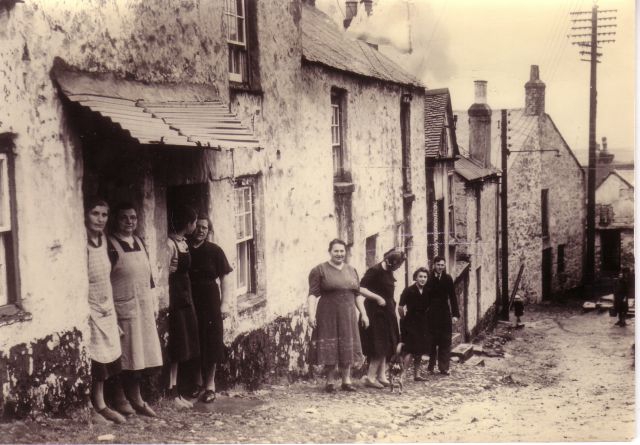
(455, 42)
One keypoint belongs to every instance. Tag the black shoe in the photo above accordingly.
(194, 393)
(348, 387)
(208, 396)
(444, 372)
(330, 388)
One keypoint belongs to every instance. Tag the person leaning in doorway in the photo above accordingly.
(184, 344)
(136, 309)
(441, 305)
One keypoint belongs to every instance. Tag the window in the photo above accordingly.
(370, 246)
(452, 222)
(237, 40)
(544, 210)
(478, 192)
(337, 137)
(8, 266)
(560, 258)
(405, 137)
(245, 272)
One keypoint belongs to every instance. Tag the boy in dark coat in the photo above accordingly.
(441, 305)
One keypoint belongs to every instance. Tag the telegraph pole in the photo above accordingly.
(504, 150)
(593, 45)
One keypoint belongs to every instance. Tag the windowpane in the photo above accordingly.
(4, 294)
(5, 215)
(242, 266)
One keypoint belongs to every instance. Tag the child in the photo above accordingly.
(518, 308)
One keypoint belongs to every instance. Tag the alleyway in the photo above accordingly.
(566, 376)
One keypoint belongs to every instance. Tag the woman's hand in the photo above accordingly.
(381, 301)
(312, 320)
(364, 320)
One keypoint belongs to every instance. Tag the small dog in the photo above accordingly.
(396, 368)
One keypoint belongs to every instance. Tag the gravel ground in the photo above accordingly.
(566, 376)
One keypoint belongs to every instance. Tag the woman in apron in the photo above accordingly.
(104, 341)
(136, 307)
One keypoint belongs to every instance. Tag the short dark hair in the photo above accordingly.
(207, 219)
(124, 205)
(335, 241)
(394, 257)
(418, 270)
(93, 202)
(181, 216)
(438, 258)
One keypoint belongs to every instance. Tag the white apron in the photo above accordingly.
(134, 303)
(104, 344)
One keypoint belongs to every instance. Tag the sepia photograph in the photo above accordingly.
(317, 221)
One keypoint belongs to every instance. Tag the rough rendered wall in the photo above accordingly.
(525, 232)
(143, 40)
(372, 133)
(485, 255)
(564, 178)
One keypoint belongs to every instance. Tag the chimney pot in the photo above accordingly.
(480, 91)
(368, 6)
(535, 73)
(604, 143)
(351, 10)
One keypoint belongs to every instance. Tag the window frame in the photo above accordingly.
(405, 141)
(236, 46)
(338, 146)
(478, 196)
(246, 242)
(8, 194)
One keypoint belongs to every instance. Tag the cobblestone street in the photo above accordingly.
(567, 376)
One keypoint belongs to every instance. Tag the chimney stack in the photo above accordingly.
(480, 126)
(534, 94)
(603, 156)
(351, 10)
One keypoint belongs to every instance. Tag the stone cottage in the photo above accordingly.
(546, 194)
(232, 107)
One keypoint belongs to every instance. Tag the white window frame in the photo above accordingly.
(337, 146)
(244, 238)
(5, 232)
(237, 46)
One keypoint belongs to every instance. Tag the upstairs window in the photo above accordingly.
(242, 39)
(8, 241)
(338, 148)
(405, 136)
(544, 211)
(451, 194)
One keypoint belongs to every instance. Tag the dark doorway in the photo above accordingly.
(195, 196)
(462, 293)
(547, 273)
(610, 250)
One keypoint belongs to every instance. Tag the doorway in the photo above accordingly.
(610, 250)
(195, 196)
(547, 273)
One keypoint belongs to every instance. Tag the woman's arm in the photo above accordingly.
(312, 302)
(361, 309)
(366, 293)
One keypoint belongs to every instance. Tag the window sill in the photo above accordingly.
(343, 188)
(11, 314)
(249, 303)
(240, 87)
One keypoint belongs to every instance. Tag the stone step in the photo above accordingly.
(607, 298)
(589, 306)
(463, 350)
(475, 361)
(478, 349)
(604, 305)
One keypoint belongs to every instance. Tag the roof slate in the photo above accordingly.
(435, 108)
(324, 42)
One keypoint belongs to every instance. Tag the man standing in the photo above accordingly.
(441, 304)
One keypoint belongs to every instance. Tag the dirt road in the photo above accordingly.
(566, 376)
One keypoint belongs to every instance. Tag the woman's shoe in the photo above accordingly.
(419, 378)
(124, 408)
(330, 387)
(194, 393)
(111, 415)
(144, 409)
(348, 387)
(384, 383)
(99, 419)
(372, 384)
(208, 396)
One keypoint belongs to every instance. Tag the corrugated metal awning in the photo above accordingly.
(471, 171)
(159, 114)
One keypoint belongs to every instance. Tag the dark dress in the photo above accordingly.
(413, 327)
(335, 340)
(208, 262)
(381, 337)
(442, 305)
(183, 326)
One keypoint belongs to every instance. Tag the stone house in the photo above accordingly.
(614, 223)
(546, 194)
(164, 105)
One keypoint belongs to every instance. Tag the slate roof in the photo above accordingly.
(189, 115)
(435, 108)
(325, 43)
(470, 170)
(627, 175)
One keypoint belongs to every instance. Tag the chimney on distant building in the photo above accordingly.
(480, 126)
(351, 10)
(368, 6)
(603, 156)
(534, 94)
